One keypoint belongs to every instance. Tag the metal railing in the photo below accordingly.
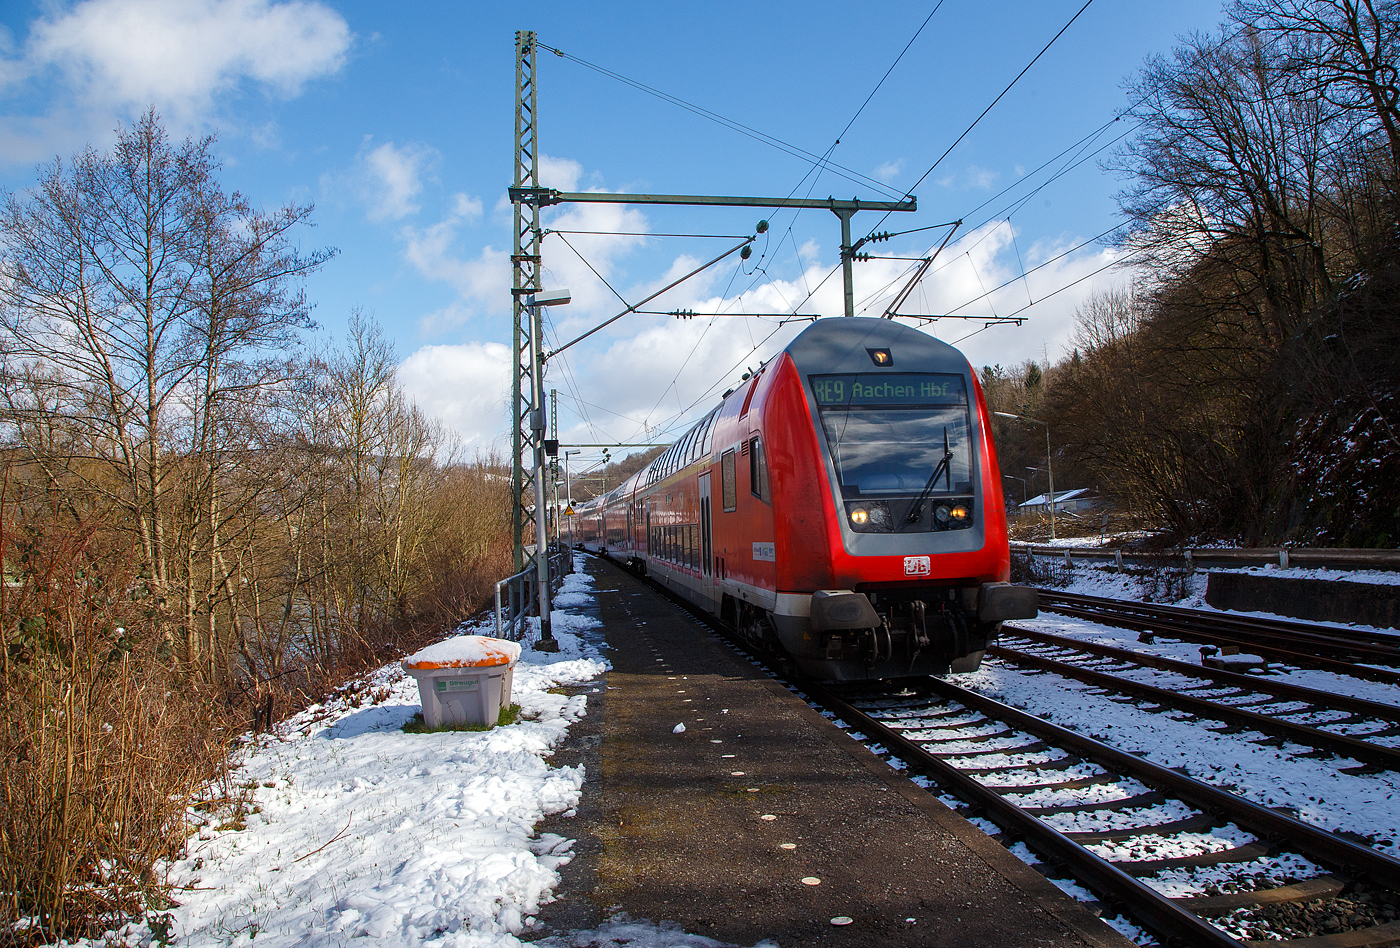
(517, 596)
(1340, 559)
(519, 604)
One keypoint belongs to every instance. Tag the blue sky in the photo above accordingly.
(396, 120)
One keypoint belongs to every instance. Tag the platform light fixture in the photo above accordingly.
(1049, 471)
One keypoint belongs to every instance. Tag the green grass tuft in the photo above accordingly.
(416, 726)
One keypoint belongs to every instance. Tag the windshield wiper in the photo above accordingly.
(943, 467)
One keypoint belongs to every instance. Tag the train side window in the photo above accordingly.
(758, 470)
(726, 474)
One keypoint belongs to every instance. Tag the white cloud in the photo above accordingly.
(179, 55)
(465, 386)
(650, 372)
(890, 170)
(476, 279)
(653, 374)
(482, 280)
(394, 177)
(971, 178)
(561, 174)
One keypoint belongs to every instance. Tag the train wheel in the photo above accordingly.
(756, 627)
(750, 626)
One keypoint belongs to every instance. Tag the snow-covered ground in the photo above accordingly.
(355, 829)
(1312, 789)
(347, 830)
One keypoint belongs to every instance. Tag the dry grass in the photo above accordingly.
(107, 739)
(101, 746)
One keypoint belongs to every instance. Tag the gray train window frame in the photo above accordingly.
(758, 470)
(728, 477)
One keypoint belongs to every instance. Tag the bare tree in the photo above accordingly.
(138, 299)
(1353, 56)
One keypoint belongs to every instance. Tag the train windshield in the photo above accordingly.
(897, 435)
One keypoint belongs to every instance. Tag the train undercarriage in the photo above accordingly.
(889, 632)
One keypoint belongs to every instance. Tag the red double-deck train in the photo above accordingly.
(843, 507)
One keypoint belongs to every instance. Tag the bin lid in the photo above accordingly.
(464, 651)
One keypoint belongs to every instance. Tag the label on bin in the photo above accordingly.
(457, 684)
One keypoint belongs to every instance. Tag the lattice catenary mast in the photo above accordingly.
(525, 261)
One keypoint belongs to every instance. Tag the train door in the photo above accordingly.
(707, 553)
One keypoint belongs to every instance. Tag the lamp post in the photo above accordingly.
(1049, 470)
(532, 304)
(1025, 491)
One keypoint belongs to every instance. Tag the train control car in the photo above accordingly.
(843, 507)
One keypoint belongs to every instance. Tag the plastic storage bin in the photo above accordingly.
(464, 680)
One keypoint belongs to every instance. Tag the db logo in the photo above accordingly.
(917, 566)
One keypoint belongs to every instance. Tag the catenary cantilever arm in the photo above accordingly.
(635, 306)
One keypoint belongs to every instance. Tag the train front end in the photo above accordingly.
(896, 560)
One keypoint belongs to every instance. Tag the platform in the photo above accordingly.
(716, 828)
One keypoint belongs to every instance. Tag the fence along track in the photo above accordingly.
(1168, 918)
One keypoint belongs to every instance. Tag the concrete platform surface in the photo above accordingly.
(762, 820)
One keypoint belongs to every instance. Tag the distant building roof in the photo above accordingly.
(1061, 496)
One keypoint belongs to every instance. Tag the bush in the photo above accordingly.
(102, 747)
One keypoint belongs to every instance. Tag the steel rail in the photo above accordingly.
(1379, 755)
(1164, 916)
(1318, 844)
(1278, 689)
(1167, 917)
(1166, 624)
(1387, 643)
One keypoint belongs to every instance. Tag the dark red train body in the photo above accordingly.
(843, 506)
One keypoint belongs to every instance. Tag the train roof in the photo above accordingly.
(835, 344)
(843, 345)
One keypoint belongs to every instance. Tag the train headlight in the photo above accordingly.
(869, 517)
(958, 513)
(942, 513)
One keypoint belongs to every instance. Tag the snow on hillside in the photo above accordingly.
(355, 831)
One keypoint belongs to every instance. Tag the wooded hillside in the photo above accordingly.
(1245, 386)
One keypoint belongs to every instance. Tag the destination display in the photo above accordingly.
(887, 388)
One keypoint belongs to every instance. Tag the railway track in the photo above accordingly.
(1100, 815)
(1346, 726)
(1353, 652)
(1103, 818)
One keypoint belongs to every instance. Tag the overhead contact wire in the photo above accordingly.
(983, 115)
(770, 140)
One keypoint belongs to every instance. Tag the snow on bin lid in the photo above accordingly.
(464, 651)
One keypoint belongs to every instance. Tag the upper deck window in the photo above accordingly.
(897, 435)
